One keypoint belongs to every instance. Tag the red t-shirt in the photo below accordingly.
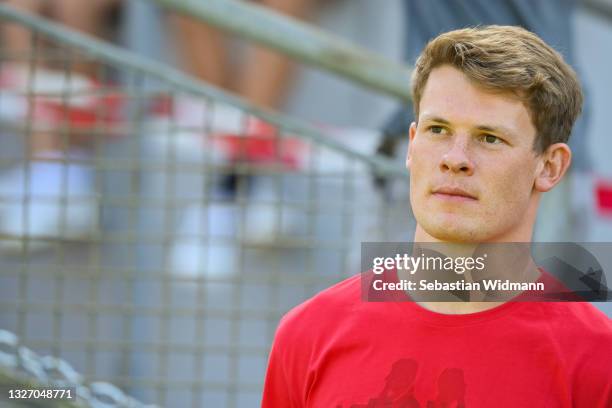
(338, 351)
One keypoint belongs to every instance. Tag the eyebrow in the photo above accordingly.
(487, 128)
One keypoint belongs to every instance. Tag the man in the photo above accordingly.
(495, 106)
(550, 20)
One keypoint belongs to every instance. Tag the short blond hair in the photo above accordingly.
(509, 59)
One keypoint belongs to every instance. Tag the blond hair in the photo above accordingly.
(509, 59)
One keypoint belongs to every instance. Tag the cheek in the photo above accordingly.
(513, 187)
(420, 171)
(423, 158)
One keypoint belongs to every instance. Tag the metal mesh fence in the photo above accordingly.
(154, 229)
(22, 371)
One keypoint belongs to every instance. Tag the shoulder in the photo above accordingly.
(584, 336)
(580, 318)
(321, 312)
(326, 304)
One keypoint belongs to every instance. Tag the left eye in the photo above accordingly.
(490, 139)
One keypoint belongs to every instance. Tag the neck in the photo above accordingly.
(526, 271)
(459, 307)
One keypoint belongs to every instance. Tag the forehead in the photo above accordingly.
(449, 94)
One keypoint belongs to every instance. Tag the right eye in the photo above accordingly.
(436, 129)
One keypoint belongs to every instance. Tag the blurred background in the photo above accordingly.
(168, 190)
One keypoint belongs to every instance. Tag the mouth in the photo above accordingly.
(453, 194)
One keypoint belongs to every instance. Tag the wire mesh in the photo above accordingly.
(153, 229)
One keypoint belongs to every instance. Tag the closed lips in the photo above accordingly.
(454, 191)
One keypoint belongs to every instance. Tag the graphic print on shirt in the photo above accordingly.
(399, 391)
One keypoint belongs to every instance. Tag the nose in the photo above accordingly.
(456, 160)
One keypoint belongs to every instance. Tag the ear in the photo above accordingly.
(554, 163)
(411, 136)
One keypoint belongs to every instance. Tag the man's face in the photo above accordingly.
(472, 165)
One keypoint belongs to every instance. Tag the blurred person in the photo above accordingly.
(551, 20)
(494, 109)
(94, 17)
(58, 131)
(263, 77)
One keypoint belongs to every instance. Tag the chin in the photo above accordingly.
(465, 231)
(455, 235)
